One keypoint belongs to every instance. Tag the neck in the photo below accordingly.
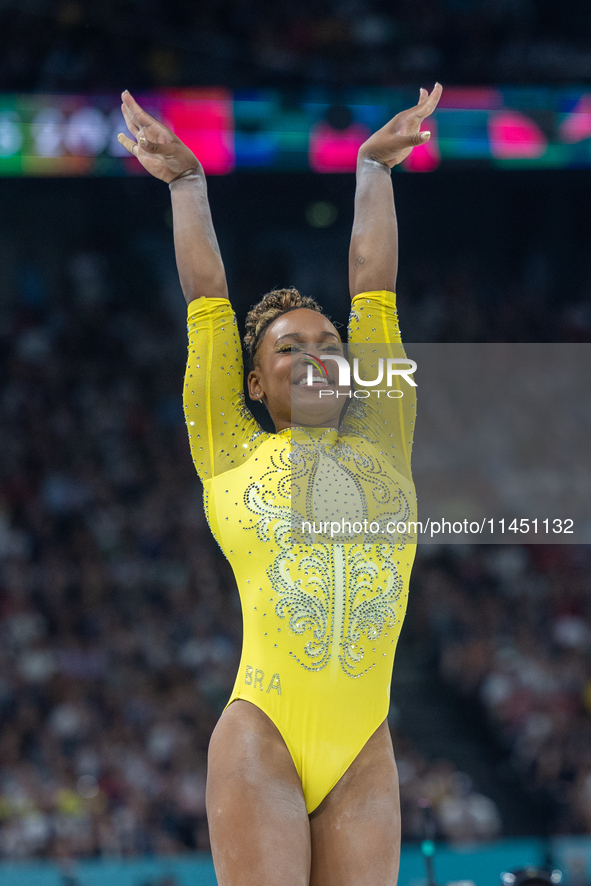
(330, 423)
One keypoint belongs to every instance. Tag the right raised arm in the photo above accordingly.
(373, 255)
(163, 154)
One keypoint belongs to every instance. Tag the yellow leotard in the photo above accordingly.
(321, 620)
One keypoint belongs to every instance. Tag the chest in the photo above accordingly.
(304, 486)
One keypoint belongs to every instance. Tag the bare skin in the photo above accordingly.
(261, 834)
(356, 829)
(259, 828)
(258, 824)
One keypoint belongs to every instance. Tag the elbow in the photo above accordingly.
(372, 282)
(212, 285)
(373, 264)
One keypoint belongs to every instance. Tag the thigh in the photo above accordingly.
(258, 824)
(355, 831)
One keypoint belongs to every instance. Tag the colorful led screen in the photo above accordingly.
(270, 130)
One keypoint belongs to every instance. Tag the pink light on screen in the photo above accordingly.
(203, 120)
(512, 136)
(424, 158)
(333, 150)
(577, 126)
(473, 98)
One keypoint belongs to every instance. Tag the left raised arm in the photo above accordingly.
(373, 255)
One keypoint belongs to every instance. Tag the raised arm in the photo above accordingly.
(162, 154)
(373, 255)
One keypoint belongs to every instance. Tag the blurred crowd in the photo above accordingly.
(75, 45)
(119, 631)
(513, 627)
(435, 794)
(120, 625)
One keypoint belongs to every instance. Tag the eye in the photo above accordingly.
(286, 349)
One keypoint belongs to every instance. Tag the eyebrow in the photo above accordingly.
(300, 335)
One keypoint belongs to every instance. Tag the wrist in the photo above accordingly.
(366, 161)
(192, 173)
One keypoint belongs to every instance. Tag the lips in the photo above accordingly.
(316, 380)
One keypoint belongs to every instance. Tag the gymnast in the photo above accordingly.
(302, 786)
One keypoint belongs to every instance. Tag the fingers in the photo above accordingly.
(136, 118)
(412, 141)
(143, 143)
(128, 144)
(429, 101)
(129, 122)
(152, 147)
(136, 113)
(412, 117)
(139, 121)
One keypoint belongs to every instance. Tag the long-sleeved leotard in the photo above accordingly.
(321, 618)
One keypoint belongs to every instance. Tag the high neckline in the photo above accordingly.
(301, 434)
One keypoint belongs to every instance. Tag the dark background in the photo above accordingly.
(119, 622)
(77, 44)
(508, 248)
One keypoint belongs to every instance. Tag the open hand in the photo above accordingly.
(393, 142)
(158, 149)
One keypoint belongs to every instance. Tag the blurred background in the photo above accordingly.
(120, 624)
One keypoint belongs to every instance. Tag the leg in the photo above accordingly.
(356, 829)
(258, 824)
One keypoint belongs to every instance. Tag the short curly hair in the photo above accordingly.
(272, 305)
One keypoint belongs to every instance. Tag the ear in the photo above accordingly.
(255, 388)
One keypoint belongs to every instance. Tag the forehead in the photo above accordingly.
(303, 323)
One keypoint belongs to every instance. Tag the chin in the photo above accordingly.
(309, 409)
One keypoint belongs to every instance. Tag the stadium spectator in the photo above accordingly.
(512, 627)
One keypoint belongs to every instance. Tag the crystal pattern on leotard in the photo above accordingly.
(338, 604)
(339, 598)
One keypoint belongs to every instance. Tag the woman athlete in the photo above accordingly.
(302, 786)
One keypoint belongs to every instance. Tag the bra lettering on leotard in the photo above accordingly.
(255, 676)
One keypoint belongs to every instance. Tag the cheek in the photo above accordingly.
(278, 371)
